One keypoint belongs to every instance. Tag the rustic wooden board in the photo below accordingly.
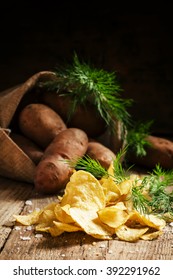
(71, 246)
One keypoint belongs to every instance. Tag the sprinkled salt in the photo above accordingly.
(25, 238)
(110, 252)
(29, 228)
(102, 246)
(62, 255)
(28, 202)
(171, 224)
(38, 235)
(17, 228)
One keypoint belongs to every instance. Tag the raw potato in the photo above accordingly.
(30, 148)
(85, 117)
(161, 151)
(52, 173)
(40, 123)
(101, 153)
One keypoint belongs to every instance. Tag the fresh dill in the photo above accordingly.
(161, 200)
(137, 137)
(140, 202)
(120, 174)
(85, 83)
(90, 165)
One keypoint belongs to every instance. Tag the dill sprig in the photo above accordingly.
(140, 202)
(90, 165)
(137, 137)
(161, 200)
(158, 199)
(84, 83)
(120, 173)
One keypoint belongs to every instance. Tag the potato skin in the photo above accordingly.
(52, 173)
(98, 151)
(85, 117)
(160, 152)
(32, 150)
(40, 123)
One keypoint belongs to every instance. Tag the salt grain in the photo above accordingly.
(29, 228)
(28, 202)
(38, 235)
(110, 252)
(63, 255)
(17, 228)
(25, 238)
(171, 224)
(102, 246)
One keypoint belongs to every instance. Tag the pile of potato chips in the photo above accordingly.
(101, 208)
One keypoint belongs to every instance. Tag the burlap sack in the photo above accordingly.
(14, 163)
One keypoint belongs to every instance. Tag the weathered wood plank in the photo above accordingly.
(12, 197)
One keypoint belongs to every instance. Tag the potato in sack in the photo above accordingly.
(98, 151)
(40, 123)
(52, 172)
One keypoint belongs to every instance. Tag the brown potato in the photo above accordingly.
(32, 150)
(98, 151)
(40, 123)
(160, 152)
(52, 172)
(85, 117)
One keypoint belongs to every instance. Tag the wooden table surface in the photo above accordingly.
(71, 246)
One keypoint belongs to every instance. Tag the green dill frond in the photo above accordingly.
(161, 200)
(140, 202)
(90, 165)
(137, 138)
(84, 83)
(120, 173)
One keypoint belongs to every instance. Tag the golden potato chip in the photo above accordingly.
(114, 216)
(59, 228)
(148, 219)
(90, 223)
(152, 235)
(84, 191)
(111, 190)
(62, 213)
(125, 187)
(29, 219)
(130, 234)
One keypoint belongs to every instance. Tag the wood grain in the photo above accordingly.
(68, 246)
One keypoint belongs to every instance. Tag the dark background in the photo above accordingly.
(138, 47)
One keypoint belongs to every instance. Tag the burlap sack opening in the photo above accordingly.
(14, 163)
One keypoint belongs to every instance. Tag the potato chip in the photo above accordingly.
(91, 224)
(59, 228)
(114, 216)
(29, 219)
(147, 219)
(111, 190)
(84, 196)
(130, 234)
(125, 187)
(62, 213)
(152, 235)
(84, 191)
